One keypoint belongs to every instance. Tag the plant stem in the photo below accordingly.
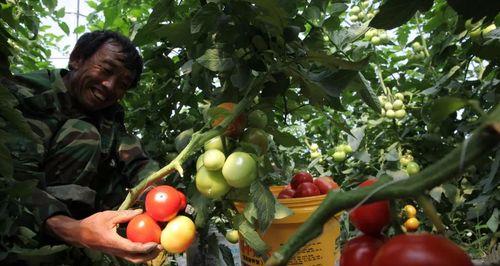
(431, 213)
(424, 42)
(484, 140)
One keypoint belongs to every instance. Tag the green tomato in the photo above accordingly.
(489, 29)
(240, 169)
(397, 104)
(355, 10)
(382, 99)
(399, 96)
(416, 46)
(346, 148)
(388, 106)
(390, 114)
(365, 4)
(412, 168)
(257, 137)
(400, 114)
(314, 147)
(315, 155)
(353, 18)
(213, 160)
(375, 40)
(404, 160)
(232, 236)
(382, 112)
(199, 162)
(214, 144)
(257, 119)
(370, 15)
(211, 183)
(361, 15)
(339, 156)
(383, 37)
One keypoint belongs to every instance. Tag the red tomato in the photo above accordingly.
(236, 127)
(162, 203)
(142, 228)
(183, 201)
(360, 251)
(307, 189)
(286, 193)
(421, 250)
(325, 183)
(299, 178)
(371, 218)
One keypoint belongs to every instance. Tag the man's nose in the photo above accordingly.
(110, 83)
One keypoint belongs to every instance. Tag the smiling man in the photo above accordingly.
(84, 158)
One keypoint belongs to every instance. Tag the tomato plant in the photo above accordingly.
(142, 228)
(419, 250)
(371, 218)
(162, 203)
(178, 234)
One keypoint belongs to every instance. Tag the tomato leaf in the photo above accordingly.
(285, 139)
(250, 236)
(6, 167)
(394, 13)
(205, 19)
(201, 206)
(366, 92)
(215, 60)
(493, 221)
(443, 107)
(334, 62)
(264, 202)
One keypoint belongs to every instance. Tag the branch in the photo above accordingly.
(484, 140)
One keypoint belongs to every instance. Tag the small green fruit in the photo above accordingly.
(388, 106)
(400, 114)
(412, 168)
(339, 156)
(355, 10)
(390, 114)
(399, 96)
(375, 40)
(397, 104)
(213, 160)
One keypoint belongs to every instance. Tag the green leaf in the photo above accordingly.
(493, 221)
(50, 4)
(394, 13)
(250, 236)
(201, 207)
(178, 34)
(6, 167)
(285, 139)
(79, 29)
(264, 202)
(205, 19)
(64, 27)
(334, 62)
(282, 211)
(22, 188)
(366, 92)
(437, 86)
(215, 60)
(443, 107)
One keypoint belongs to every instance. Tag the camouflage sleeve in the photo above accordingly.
(137, 165)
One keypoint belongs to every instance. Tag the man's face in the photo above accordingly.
(102, 79)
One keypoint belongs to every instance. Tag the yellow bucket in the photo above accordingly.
(320, 251)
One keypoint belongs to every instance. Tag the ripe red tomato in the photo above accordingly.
(183, 201)
(420, 250)
(371, 218)
(307, 189)
(236, 127)
(360, 251)
(162, 203)
(142, 228)
(325, 183)
(299, 178)
(286, 193)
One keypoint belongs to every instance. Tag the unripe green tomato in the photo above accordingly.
(399, 96)
(370, 15)
(232, 236)
(365, 4)
(213, 160)
(489, 29)
(257, 119)
(314, 147)
(388, 106)
(211, 183)
(404, 160)
(397, 104)
(361, 15)
(412, 168)
(258, 137)
(475, 35)
(240, 169)
(353, 18)
(199, 162)
(214, 143)
(375, 40)
(346, 148)
(390, 114)
(416, 46)
(355, 10)
(383, 37)
(339, 156)
(382, 112)
(315, 155)
(382, 99)
(400, 114)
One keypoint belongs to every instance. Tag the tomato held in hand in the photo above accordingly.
(325, 183)
(360, 251)
(371, 218)
(142, 228)
(299, 178)
(178, 234)
(236, 127)
(286, 193)
(420, 250)
(307, 189)
(162, 203)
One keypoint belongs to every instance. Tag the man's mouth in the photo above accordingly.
(99, 94)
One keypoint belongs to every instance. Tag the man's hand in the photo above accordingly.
(99, 232)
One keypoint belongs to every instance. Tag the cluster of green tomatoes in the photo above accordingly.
(393, 108)
(376, 36)
(362, 12)
(418, 51)
(477, 31)
(409, 165)
(340, 152)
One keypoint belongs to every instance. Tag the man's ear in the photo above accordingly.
(75, 63)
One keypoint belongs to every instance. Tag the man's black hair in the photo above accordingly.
(90, 42)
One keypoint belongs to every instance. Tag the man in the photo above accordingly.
(84, 159)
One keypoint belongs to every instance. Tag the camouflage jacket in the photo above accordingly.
(85, 160)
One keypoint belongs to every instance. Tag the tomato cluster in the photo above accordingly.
(362, 12)
(162, 204)
(304, 185)
(406, 249)
(409, 165)
(393, 106)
